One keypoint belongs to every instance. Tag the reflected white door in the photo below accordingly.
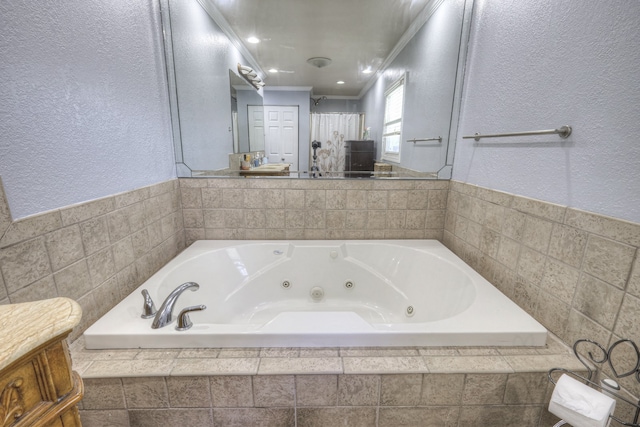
(281, 134)
(255, 113)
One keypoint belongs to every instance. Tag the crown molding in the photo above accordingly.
(288, 88)
(415, 26)
(341, 97)
(216, 15)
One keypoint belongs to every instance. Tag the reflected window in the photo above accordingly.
(392, 129)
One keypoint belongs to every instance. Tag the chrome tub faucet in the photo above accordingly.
(164, 316)
(148, 308)
(184, 322)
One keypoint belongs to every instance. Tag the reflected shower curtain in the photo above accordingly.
(332, 130)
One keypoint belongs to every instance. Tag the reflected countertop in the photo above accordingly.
(268, 169)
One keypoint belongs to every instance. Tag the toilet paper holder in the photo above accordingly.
(623, 350)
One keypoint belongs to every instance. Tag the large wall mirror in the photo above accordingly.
(247, 116)
(216, 114)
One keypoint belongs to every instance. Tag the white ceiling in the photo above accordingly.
(355, 34)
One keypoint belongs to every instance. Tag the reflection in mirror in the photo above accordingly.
(201, 49)
(234, 110)
(247, 116)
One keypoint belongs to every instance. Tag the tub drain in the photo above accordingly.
(349, 284)
(410, 311)
(286, 284)
(317, 293)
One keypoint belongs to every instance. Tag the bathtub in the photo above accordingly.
(321, 294)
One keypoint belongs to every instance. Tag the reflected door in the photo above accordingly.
(281, 134)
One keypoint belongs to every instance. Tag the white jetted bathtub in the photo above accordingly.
(321, 293)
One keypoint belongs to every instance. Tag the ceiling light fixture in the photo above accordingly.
(316, 101)
(250, 76)
(273, 70)
(340, 82)
(253, 40)
(367, 70)
(319, 61)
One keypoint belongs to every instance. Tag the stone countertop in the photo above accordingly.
(28, 325)
(314, 361)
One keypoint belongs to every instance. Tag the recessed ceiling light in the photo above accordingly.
(340, 82)
(368, 70)
(253, 40)
(273, 70)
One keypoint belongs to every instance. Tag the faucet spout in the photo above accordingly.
(164, 316)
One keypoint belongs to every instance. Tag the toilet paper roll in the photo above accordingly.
(579, 404)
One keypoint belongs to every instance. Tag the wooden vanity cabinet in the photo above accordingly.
(38, 387)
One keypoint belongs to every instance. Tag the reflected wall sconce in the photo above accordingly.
(250, 76)
(316, 101)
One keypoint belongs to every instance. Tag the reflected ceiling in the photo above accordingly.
(356, 34)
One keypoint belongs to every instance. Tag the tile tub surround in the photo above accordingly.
(320, 386)
(95, 252)
(253, 209)
(576, 272)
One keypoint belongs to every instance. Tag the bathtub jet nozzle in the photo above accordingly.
(317, 293)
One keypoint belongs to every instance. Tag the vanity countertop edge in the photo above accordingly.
(26, 326)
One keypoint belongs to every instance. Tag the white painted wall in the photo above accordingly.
(246, 98)
(83, 102)
(335, 105)
(543, 64)
(430, 60)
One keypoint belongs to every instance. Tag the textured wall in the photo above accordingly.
(430, 59)
(83, 102)
(540, 65)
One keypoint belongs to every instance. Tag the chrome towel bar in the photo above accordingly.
(563, 131)
(414, 140)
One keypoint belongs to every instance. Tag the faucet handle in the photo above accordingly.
(148, 307)
(184, 322)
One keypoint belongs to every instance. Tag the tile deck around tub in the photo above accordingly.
(314, 361)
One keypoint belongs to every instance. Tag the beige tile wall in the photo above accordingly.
(95, 252)
(312, 209)
(427, 400)
(576, 272)
(372, 386)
